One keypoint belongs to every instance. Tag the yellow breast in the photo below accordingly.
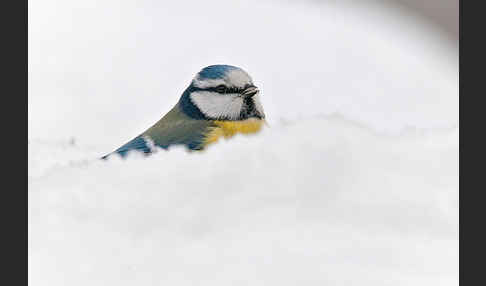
(228, 129)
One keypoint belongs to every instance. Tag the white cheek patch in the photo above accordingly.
(215, 105)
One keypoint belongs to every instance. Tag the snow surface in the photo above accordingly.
(354, 182)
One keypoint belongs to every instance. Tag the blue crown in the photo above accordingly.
(215, 71)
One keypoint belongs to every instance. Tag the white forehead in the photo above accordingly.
(232, 78)
(238, 78)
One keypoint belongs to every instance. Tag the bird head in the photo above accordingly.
(222, 92)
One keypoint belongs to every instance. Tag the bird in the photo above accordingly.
(221, 101)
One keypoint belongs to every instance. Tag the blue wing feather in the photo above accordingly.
(175, 128)
(138, 144)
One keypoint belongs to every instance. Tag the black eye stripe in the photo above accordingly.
(221, 89)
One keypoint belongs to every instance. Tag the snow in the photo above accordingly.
(354, 182)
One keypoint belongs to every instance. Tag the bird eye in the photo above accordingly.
(221, 89)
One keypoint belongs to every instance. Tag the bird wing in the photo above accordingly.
(175, 128)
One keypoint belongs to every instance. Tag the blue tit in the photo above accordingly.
(221, 101)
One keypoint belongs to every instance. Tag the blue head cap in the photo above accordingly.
(229, 76)
(216, 71)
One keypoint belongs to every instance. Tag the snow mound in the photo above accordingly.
(321, 201)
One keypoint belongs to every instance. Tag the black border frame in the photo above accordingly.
(14, 211)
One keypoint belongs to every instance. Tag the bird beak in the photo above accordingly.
(250, 91)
